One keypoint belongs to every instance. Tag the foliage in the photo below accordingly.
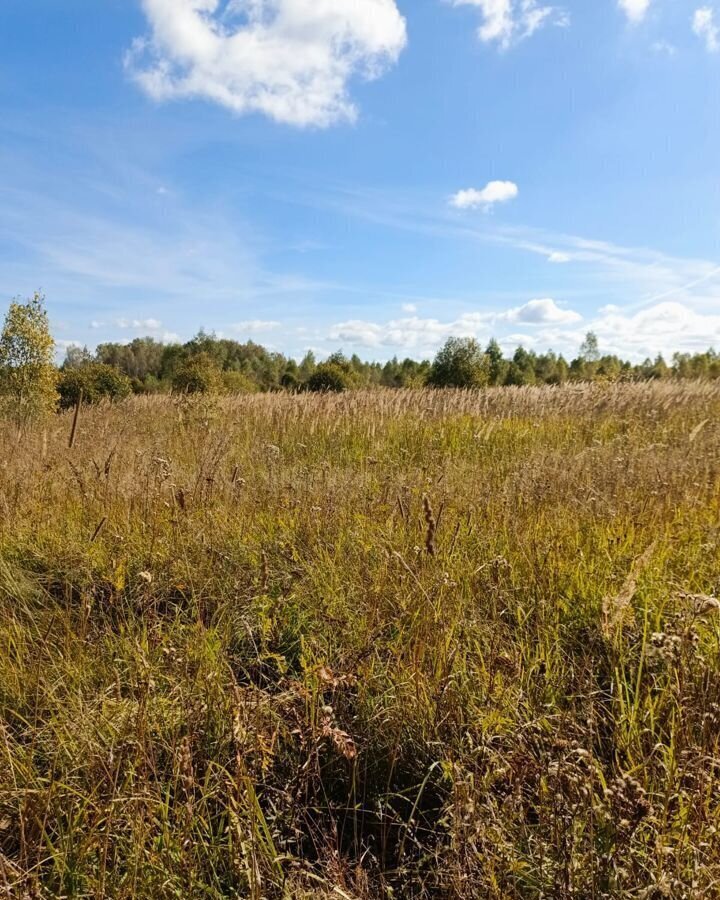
(238, 383)
(590, 349)
(421, 645)
(460, 363)
(328, 377)
(197, 374)
(152, 366)
(27, 373)
(95, 381)
(77, 356)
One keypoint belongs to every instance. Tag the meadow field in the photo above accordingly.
(409, 644)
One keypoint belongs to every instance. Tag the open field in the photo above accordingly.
(409, 644)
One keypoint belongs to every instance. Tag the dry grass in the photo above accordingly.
(404, 645)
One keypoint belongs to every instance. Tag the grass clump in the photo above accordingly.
(416, 644)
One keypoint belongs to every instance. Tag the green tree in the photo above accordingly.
(498, 365)
(328, 377)
(460, 363)
(589, 349)
(522, 368)
(76, 356)
(307, 366)
(198, 374)
(96, 381)
(28, 375)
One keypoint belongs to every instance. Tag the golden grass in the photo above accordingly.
(409, 644)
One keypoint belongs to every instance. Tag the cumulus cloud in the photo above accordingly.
(706, 28)
(419, 333)
(408, 333)
(665, 328)
(558, 257)
(290, 60)
(506, 22)
(493, 192)
(541, 312)
(635, 10)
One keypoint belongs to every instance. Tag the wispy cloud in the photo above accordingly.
(254, 326)
(138, 324)
(637, 275)
(106, 271)
(507, 22)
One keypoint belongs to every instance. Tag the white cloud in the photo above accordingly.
(557, 257)
(540, 312)
(136, 324)
(705, 27)
(509, 21)
(254, 326)
(493, 192)
(663, 328)
(409, 308)
(290, 60)
(411, 332)
(635, 10)
(427, 334)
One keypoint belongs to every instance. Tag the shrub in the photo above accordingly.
(238, 383)
(96, 381)
(328, 378)
(198, 374)
(461, 363)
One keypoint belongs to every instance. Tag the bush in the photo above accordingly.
(328, 378)
(238, 383)
(96, 381)
(198, 374)
(461, 363)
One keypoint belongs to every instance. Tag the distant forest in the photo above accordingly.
(207, 362)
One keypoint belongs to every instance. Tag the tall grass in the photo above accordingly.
(414, 644)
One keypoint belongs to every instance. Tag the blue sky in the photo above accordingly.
(372, 175)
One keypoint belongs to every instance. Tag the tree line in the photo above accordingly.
(29, 377)
(233, 366)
